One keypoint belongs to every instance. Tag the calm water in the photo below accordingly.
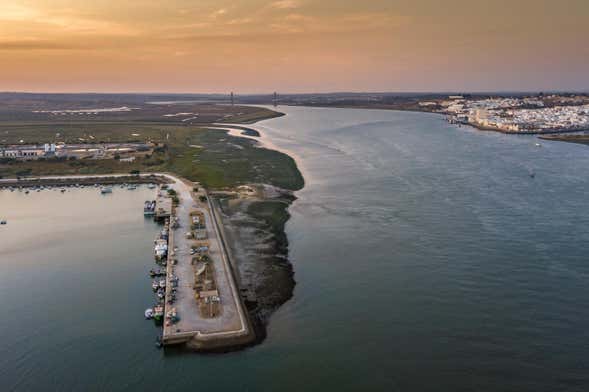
(426, 258)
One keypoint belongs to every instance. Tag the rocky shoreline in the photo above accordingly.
(253, 219)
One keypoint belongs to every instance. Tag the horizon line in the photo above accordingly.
(416, 92)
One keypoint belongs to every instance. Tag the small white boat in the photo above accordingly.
(538, 145)
(106, 190)
(149, 313)
(151, 186)
(131, 187)
(163, 283)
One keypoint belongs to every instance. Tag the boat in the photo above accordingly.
(132, 187)
(172, 315)
(158, 313)
(149, 207)
(105, 190)
(162, 283)
(149, 313)
(161, 249)
(538, 145)
(154, 285)
(151, 186)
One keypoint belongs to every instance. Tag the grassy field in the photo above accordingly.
(210, 156)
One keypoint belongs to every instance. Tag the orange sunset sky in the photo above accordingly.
(293, 45)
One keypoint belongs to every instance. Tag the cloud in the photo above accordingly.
(36, 45)
(285, 4)
(16, 12)
(219, 12)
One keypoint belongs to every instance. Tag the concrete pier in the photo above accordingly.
(163, 206)
(230, 326)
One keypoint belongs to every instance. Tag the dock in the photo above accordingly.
(163, 206)
(210, 313)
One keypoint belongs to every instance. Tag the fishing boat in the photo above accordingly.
(158, 313)
(149, 207)
(172, 315)
(148, 313)
(161, 249)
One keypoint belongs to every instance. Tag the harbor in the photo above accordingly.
(62, 182)
(197, 300)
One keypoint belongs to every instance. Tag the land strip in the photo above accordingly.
(230, 327)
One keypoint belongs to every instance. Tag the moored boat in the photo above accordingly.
(158, 313)
(149, 313)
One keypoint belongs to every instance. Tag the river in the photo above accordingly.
(427, 257)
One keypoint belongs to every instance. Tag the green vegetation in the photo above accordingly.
(273, 213)
(209, 156)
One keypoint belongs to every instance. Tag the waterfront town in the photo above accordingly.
(535, 114)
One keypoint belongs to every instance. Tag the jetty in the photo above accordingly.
(203, 307)
(163, 206)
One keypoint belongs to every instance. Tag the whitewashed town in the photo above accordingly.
(536, 114)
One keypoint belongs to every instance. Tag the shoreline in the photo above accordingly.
(273, 289)
(264, 142)
(257, 317)
(473, 125)
(197, 340)
(93, 179)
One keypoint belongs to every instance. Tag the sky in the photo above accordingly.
(254, 46)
